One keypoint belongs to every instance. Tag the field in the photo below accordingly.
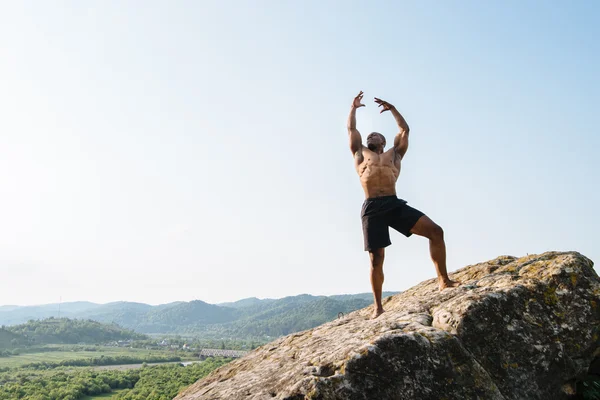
(58, 356)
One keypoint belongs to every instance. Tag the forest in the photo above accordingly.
(159, 382)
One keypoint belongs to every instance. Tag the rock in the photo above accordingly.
(517, 329)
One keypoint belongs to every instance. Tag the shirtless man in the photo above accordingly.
(378, 172)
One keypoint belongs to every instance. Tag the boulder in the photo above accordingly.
(517, 328)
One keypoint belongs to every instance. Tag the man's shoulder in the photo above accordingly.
(390, 153)
(360, 154)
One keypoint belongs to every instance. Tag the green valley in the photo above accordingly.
(107, 351)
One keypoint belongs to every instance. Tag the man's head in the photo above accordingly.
(376, 142)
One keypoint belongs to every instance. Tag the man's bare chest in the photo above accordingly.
(379, 164)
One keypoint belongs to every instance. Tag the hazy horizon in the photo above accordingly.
(175, 301)
(198, 150)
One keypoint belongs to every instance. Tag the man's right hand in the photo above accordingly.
(357, 99)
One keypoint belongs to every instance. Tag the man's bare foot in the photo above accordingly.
(377, 313)
(445, 284)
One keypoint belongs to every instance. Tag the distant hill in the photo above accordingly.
(122, 313)
(362, 296)
(64, 331)
(251, 317)
(11, 315)
(293, 315)
(251, 301)
(169, 319)
(8, 308)
(254, 301)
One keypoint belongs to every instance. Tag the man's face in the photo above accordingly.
(375, 141)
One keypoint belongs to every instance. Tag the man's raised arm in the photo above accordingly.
(401, 139)
(355, 139)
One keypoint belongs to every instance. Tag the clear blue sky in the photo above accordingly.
(161, 151)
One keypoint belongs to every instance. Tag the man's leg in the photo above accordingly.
(377, 257)
(437, 248)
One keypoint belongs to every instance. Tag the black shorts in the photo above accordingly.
(379, 213)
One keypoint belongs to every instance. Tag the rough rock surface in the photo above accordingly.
(516, 329)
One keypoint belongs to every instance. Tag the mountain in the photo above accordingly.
(362, 296)
(254, 301)
(8, 308)
(74, 307)
(290, 316)
(252, 317)
(122, 313)
(184, 314)
(251, 301)
(11, 315)
(265, 320)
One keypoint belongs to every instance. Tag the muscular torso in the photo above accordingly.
(378, 172)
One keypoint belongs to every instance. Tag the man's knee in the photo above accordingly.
(436, 233)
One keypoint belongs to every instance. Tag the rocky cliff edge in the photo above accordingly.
(518, 328)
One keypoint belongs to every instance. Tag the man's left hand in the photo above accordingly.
(382, 103)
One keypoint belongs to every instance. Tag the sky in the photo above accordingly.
(173, 151)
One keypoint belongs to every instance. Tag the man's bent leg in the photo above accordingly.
(377, 257)
(437, 248)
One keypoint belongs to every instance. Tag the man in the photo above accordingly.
(378, 172)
